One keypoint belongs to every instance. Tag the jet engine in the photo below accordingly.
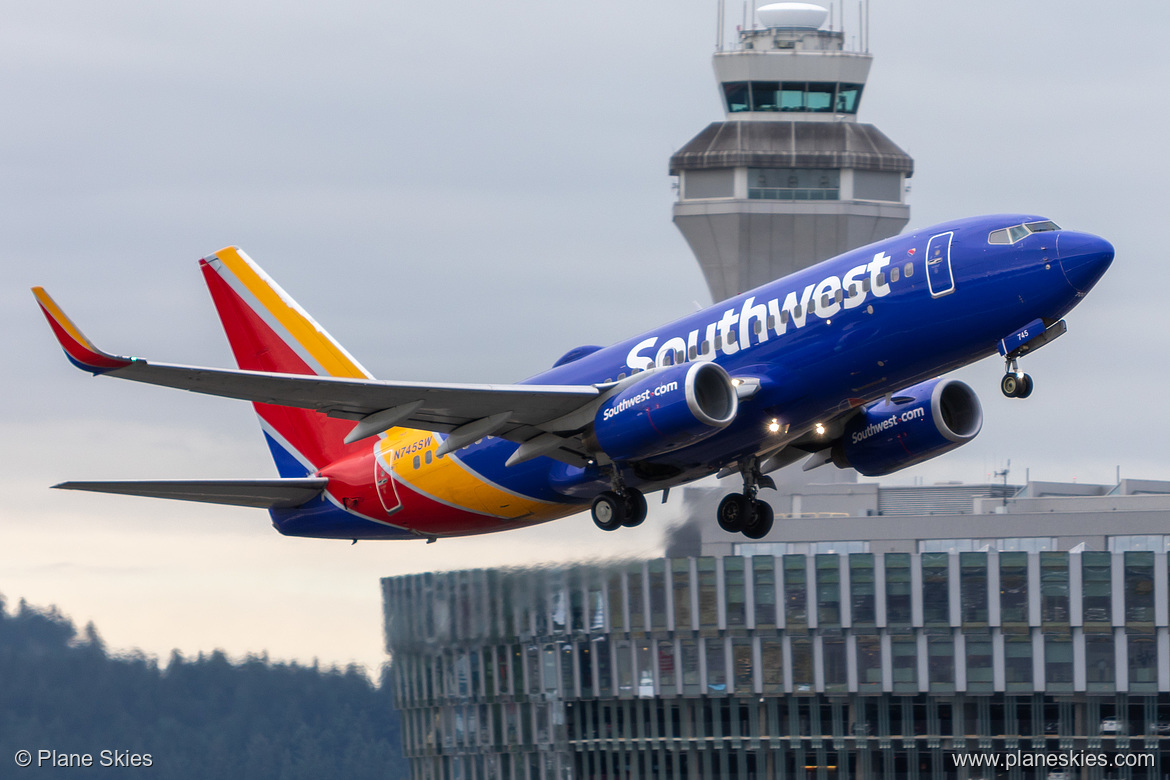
(916, 424)
(667, 410)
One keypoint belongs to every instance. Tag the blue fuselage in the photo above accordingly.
(829, 338)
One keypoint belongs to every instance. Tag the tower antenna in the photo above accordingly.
(1004, 473)
(719, 28)
(860, 25)
(867, 26)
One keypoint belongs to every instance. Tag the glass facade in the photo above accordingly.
(824, 665)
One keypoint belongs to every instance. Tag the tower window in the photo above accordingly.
(794, 184)
(737, 95)
(792, 96)
(848, 96)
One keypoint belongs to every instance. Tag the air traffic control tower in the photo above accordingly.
(790, 177)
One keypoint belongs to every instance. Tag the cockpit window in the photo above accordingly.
(1042, 227)
(1011, 235)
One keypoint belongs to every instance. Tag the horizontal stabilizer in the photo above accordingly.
(260, 493)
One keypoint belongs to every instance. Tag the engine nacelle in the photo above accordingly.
(919, 423)
(667, 410)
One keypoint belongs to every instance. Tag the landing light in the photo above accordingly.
(774, 426)
(820, 429)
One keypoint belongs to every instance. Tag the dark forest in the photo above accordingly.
(204, 717)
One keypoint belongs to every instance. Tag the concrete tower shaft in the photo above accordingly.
(789, 178)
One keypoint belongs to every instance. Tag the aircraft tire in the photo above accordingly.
(1010, 385)
(762, 520)
(1026, 388)
(609, 511)
(733, 512)
(636, 509)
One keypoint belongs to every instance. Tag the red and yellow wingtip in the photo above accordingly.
(79, 349)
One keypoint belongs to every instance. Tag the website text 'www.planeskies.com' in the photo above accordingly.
(1068, 759)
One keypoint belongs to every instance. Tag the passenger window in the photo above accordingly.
(706, 347)
(825, 301)
(772, 321)
(692, 351)
(894, 275)
(908, 269)
(621, 376)
(759, 326)
(718, 342)
(839, 296)
(680, 356)
(416, 461)
(668, 359)
(865, 285)
(881, 280)
(796, 310)
(852, 291)
(429, 456)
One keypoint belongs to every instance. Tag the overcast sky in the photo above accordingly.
(463, 193)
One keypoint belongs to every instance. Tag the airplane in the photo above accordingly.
(841, 362)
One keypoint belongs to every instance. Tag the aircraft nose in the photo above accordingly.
(1083, 258)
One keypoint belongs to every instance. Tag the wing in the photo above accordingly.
(259, 493)
(542, 418)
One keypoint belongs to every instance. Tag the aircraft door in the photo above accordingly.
(939, 277)
(384, 480)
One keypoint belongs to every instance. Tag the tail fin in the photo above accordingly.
(268, 331)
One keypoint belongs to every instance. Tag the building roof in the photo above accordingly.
(792, 145)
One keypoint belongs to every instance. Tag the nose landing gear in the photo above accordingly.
(1016, 384)
(743, 512)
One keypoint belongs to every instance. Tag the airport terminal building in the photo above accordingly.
(878, 632)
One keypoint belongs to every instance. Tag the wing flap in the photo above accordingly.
(259, 493)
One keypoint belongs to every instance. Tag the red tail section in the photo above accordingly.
(268, 331)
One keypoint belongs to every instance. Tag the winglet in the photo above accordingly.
(80, 350)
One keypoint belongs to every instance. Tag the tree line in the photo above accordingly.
(203, 717)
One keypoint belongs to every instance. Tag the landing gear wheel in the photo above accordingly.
(733, 513)
(1010, 385)
(609, 511)
(635, 506)
(761, 522)
(1026, 388)
(1015, 385)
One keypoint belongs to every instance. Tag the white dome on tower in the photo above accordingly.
(801, 16)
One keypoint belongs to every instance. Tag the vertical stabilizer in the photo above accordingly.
(269, 331)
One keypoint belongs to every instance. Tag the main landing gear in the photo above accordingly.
(622, 507)
(1015, 384)
(743, 512)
